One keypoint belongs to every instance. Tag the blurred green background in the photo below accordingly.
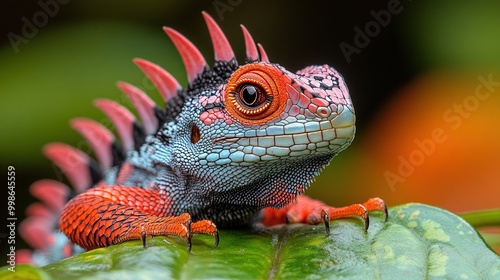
(405, 74)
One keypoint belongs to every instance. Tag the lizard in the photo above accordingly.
(238, 146)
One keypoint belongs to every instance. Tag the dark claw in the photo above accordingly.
(386, 214)
(367, 222)
(326, 221)
(190, 244)
(216, 237)
(143, 238)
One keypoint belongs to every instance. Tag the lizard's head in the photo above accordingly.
(256, 131)
(279, 115)
(264, 115)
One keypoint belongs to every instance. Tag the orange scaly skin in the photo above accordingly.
(240, 142)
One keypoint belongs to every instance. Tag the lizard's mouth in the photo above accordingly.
(282, 140)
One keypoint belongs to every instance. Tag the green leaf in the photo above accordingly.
(482, 218)
(24, 272)
(417, 242)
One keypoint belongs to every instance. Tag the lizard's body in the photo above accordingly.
(238, 139)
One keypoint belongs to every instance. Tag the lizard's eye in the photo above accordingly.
(256, 92)
(251, 96)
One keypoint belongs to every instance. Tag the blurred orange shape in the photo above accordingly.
(437, 142)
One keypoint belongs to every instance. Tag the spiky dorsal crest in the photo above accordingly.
(131, 132)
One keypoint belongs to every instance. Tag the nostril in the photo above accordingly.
(323, 112)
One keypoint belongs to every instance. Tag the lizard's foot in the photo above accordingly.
(310, 211)
(177, 226)
(157, 226)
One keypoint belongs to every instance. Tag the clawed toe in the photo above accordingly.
(355, 210)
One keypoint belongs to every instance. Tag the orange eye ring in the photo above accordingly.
(256, 93)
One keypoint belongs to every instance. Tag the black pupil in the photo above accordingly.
(249, 95)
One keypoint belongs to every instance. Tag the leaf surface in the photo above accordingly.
(417, 242)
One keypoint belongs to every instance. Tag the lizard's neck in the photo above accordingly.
(277, 185)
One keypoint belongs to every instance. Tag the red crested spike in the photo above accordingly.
(99, 137)
(251, 49)
(121, 118)
(193, 60)
(166, 84)
(68, 249)
(38, 209)
(36, 232)
(263, 55)
(72, 162)
(143, 104)
(24, 256)
(222, 48)
(53, 193)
